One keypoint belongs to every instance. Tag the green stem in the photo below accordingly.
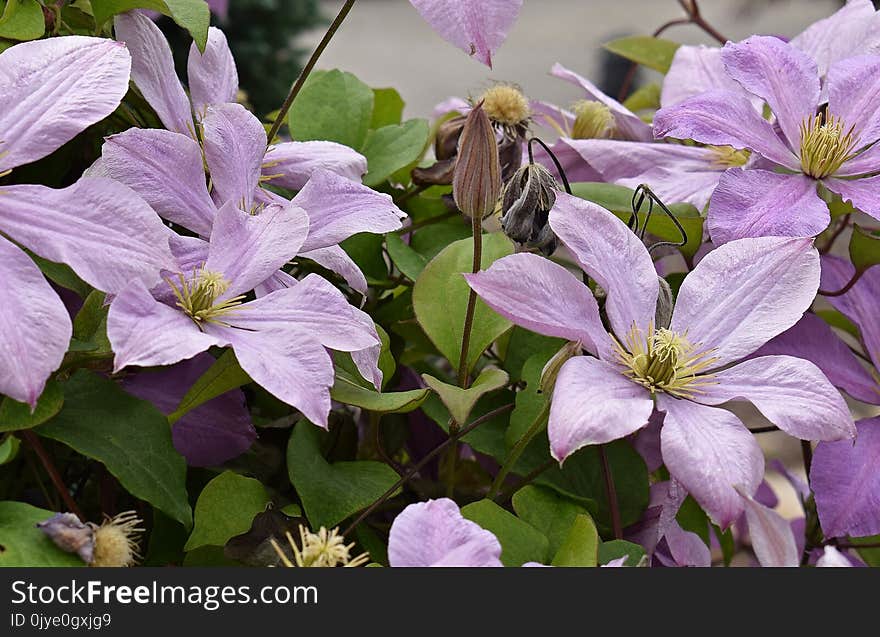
(307, 69)
(518, 449)
(611, 494)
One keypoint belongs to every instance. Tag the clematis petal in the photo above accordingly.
(629, 125)
(744, 293)
(854, 95)
(147, 333)
(861, 193)
(784, 76)
(152, 70)
(860, 304)
(51, 90)
(335, 259)
(166, 169)
(35, 327)
(761, 203)
(287, 362)
(543, 297)
(609, 252)
(477, 27)
(212, 433)
(213, 78)
(312, 306)
(724, 118)
(248, 248)
(367, 359)
(100, 228)
(710, 452)
(434, 533)
(867, 161)
(695, 70)
(853, 29)
(291, 164)
(771, 535)
(812, 339)
(832, 558)
(235, 142)
(846, 481)
(593, 403)
(339, 208)
(792, 393)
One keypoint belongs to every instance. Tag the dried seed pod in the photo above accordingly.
(527, 200)
(70, 535)
(476, 182)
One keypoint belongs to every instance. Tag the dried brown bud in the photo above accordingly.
(70, 535)
(665, 305)
(476, 183)
(528, 198)
(448, 134)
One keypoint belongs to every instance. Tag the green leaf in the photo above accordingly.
(23, 544)
(226, 507)
(460, 401)
(647, 97)
(440, 298)
(615, 549)
(345, 390)
(838, 320)
(62, 275)
(387, 107)
(655, 53)
(524, 344)
(549, 512)
(223, 375)
(332, 492)
(870, 555)
(22, 20)
(407, 260)
(192, 15)
(520, 541)
(529, 401)
(864, 248)
(9, 449)
(618, 200)
(581, 545)
(390, 148)
(15, 415)
(129, 436)
(333, 106)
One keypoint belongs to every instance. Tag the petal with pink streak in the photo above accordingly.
(846, 481)
(609, 252)
(291, 164)
(235, 142)
(711, 453)
(543, 297)
(434, 533)
(594, 403)
(213, 78)
(477, 27)
(744, 293)
(51, 90)
(35, 327)
(152, 70)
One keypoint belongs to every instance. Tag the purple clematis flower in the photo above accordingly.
(216, 431)
(434, 533)
(51, 90)
(835, 147)
(281, 339)
(737, 298)
(477, 27)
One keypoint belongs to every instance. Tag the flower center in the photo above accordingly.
(506, 105)
(593, 120)
(825, 145)
(322, 549)
(197, 297)
(665, 361)
(729, 157)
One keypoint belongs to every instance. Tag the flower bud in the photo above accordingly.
(476, 182)
(70, 535)
(526, 203)
(593, 120)
(665, 304)
(551, 369)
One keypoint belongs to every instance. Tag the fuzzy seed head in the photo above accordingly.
(506, 105)
(116, 541)
(593, 120)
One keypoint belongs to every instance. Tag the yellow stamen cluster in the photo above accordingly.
(825, 146)
(322, 549)
(197, 297)
(506, 105)
(664, 361)
(729, 157)
(593, 120)
(116, 541)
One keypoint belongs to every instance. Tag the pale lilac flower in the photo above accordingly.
(835, 148)
(434, 533)
(771, 535)
(832, 558)
(477, 27)
(281, 340)
(737, 298)
(663, 539)
(216, 431)
(51, 90)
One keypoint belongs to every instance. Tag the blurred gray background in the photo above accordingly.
(386, 43)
